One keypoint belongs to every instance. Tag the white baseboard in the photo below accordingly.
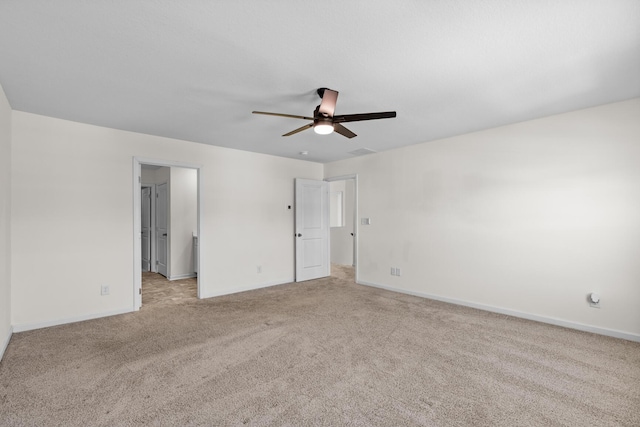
(5, 342)
(182, 276)
(543, 319)
(246, 288)
(22, 327)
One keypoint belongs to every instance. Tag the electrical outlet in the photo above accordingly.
(259, 269)
(104, 290)
(398, 271)
(393, 271)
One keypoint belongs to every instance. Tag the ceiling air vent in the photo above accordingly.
(362, 151)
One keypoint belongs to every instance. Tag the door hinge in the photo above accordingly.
(140, 291)
(139, 179)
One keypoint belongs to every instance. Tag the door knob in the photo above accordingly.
(299, 235)
(164, 235)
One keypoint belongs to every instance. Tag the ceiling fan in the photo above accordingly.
(324, 122)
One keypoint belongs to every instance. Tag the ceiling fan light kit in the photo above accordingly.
(325, 122)
(323, 127)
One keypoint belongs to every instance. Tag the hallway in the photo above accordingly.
(157, 290)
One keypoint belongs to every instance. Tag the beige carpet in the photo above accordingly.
(325, 352)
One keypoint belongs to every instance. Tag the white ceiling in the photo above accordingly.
(195, 70)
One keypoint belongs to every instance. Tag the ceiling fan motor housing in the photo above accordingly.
(319, 120)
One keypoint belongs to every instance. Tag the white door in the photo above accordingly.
(312, 229)
(145, 222)
(162, 210)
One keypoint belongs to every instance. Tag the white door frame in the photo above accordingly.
(152, 223)
(356, 223)
(137, 225)
(167, 240)
(154, 256)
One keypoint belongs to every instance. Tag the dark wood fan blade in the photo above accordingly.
(343, 130)
(328, 104)
(366, 116)
(300, 129)
(291, 116)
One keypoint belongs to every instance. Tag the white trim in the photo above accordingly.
(543, 319)
(22, 327)
(5, 343)
(166, 163)
(137, 261)
(168, 214)
(152, 234)
(182, 276)
(248, 288)
(137, 234)
(356, 223)
(342, 177)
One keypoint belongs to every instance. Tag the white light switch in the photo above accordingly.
(365, 221)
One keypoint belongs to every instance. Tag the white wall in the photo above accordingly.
(148, 176)
(527, 218)
(183, 196)
(157, 175)
(78, 233)
(341, 238)
(5, 222)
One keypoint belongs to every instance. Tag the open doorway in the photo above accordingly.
(343, 226)
(166, 232)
